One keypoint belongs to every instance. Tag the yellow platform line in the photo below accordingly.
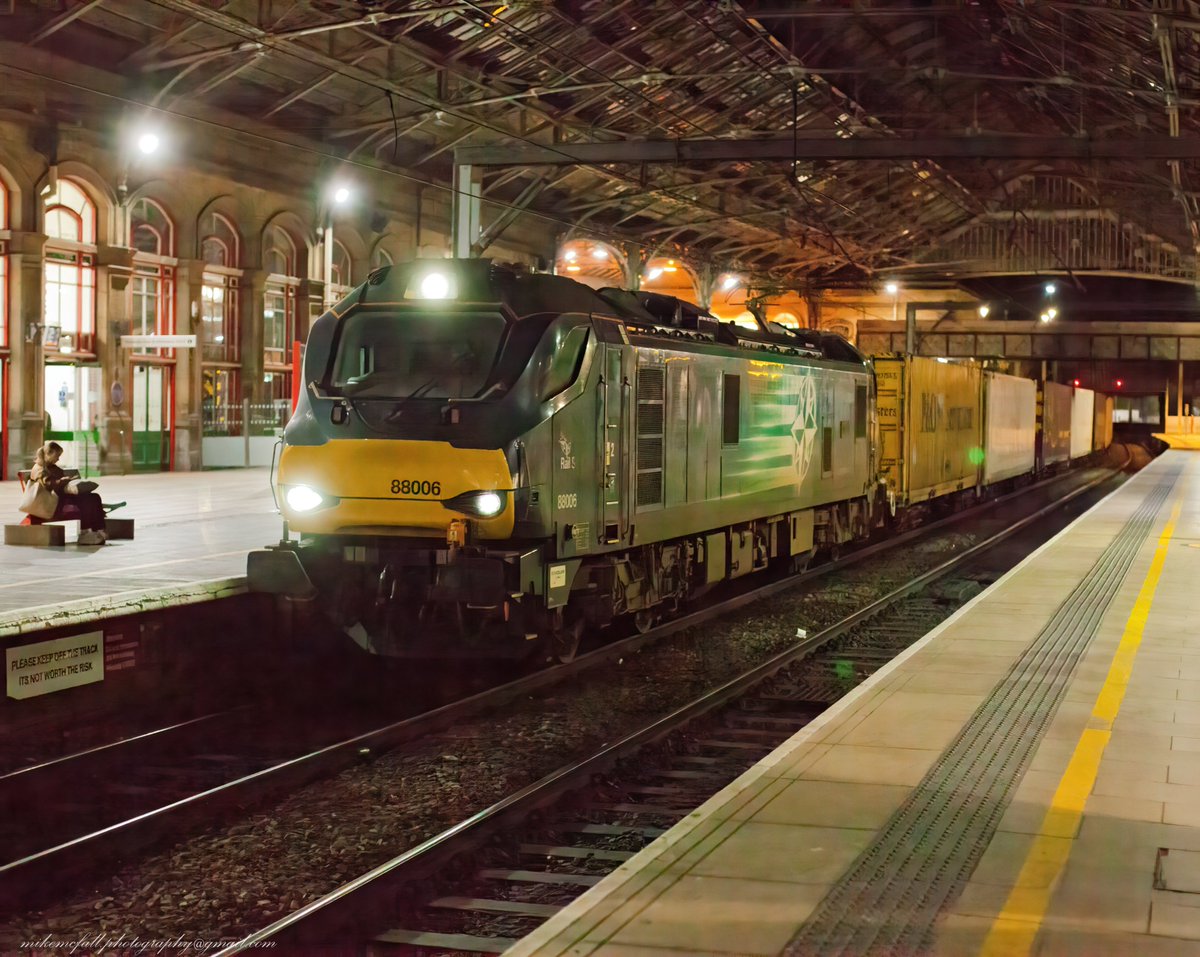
(1015, 928)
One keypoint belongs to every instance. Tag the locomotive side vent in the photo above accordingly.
(651, 404)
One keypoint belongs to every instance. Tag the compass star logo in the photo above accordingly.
(804, 426)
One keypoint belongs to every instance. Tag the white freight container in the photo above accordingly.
(1010, 438)
(1083, 411)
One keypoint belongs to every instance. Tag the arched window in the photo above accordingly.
(340, 277)
(152, 235)
(151, 229)
(219, 332)
(70, 215)
(279, 316)
(69, 222)
(220, 245)
(279, 252)
(381, 257)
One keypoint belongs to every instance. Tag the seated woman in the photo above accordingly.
(86, 504)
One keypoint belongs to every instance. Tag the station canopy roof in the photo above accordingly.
(862, 102)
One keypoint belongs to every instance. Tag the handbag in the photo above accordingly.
(38, 501)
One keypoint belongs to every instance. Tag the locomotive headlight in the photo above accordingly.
(488, 504)
(301, 498)
(431, 284)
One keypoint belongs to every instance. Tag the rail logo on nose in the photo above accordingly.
(804, 426)
(565, 460)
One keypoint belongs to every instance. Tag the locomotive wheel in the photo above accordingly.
(565, 640)
(643, 620)
(799, 563)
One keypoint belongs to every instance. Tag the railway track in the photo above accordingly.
(489, 880)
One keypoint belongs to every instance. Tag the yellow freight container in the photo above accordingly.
(1102, 424)
(929, 424)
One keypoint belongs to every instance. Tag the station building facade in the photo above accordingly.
(98, 255)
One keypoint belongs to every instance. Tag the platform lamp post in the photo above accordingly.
(339, 195)
(145, 141)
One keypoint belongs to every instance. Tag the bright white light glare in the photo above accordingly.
(1051, 289)
(654, 273)
(435, 286)
(488, 504)
(1045, 317)
(301, 498)
(984, 310)
(599, 253)
(729, 282)
(1052, 312)
(148, 143)
(570, 256)
(892, 288)
(341, 194)
(940, 359)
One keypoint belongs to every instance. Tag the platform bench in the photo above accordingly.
(42, 531)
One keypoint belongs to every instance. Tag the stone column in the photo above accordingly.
(633, 264)
(26, 398)
(114, 267)
(189, 283)
(706, 285)
(310, 304)
(253, 289)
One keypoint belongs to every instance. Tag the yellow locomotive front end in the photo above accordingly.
(406, 468)
(395, 488)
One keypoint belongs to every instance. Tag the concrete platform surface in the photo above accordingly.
(1075, 831)
(193, 532)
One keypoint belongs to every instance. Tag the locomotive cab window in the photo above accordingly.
(731, 425)
(398, 355)
(565, 361)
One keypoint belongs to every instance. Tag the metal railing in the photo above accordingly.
(262, 418)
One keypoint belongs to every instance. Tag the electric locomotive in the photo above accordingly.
(486, 461)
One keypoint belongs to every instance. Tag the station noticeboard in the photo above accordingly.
(158, 342)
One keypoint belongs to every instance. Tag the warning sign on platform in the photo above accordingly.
(48, 666)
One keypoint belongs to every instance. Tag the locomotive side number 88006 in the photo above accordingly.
(415, 487)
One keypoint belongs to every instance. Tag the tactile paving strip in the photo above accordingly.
(888, 901)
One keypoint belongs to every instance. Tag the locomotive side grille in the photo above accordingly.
(650, 418)
(651, 391)
(651, 384)
(649, 487)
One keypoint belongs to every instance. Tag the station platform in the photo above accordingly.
(1024, 780)
(193, 530)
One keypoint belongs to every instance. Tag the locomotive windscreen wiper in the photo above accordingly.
(424, 387)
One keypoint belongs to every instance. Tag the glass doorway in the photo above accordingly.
(151, 418)
(3, 415)
(72, 403)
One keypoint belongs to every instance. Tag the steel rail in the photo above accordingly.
(34, 877)
(37, 876)
(329, 916)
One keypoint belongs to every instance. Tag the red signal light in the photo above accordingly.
(1120, 382)
(1076, 383)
